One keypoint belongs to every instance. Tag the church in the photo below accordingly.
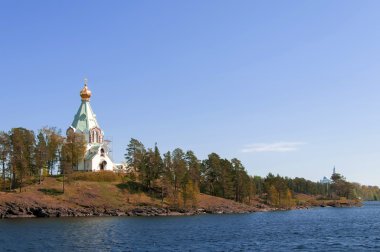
(97, 150)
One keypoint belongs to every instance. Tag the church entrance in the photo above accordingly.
(103, 165)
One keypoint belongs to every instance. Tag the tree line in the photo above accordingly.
(26, 157)
(178, 176)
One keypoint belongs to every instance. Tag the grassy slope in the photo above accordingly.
(104, 195)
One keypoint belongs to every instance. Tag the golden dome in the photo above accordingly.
(85, 93)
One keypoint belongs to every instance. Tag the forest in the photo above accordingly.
(178, 176)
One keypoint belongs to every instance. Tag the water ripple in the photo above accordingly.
(319, 229)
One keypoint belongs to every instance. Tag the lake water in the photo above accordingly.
(318, 229)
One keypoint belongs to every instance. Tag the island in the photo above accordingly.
(48, 174)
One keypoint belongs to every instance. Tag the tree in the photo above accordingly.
(193, 166)
(41, 154)
(252, 189)
(259, 184)
(227, 179)
(180, 168)
(192, 185)
(287, 199)
(73, 151)
(157, 163)
(273, 196)
(135, 154)
(152, 166)
(211, 173)
(341, 188)
(239, 173)
(5, 147)
(54, 142)
(22, 154)
(168, 178)
(75, 148)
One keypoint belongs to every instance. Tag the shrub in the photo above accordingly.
(103, 176)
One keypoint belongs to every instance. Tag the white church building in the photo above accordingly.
(97, 152)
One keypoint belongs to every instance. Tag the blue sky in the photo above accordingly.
(289, 87)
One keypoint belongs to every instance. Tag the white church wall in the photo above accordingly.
(98, 159)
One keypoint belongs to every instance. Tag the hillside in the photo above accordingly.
(87, 198)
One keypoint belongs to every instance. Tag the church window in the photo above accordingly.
(95, 136)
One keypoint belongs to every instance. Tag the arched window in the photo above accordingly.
(96, 135)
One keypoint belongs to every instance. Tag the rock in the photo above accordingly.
(39, 212)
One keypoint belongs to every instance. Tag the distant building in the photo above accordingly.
(325, 181)
(97, 152)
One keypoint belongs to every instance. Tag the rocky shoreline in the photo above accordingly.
(17, 210)
(11, 210)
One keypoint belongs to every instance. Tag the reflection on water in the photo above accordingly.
(316, 229)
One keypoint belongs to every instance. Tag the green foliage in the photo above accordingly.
(278, 192)
(341, 188)
(227, 179)
(135, 154)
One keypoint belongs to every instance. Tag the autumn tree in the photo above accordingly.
(273, 196)
(5, 147)
(54, 142)
(192, 185)
(22, 154)
(74, 149)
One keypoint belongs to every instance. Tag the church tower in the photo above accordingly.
(97, 151)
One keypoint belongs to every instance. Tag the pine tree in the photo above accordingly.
(135, 154)
(179, 169)
(193, 169)
(168, 179)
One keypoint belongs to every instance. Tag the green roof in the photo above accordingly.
(85, 118)
(92, 152)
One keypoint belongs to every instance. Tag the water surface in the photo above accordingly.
(318, 229)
